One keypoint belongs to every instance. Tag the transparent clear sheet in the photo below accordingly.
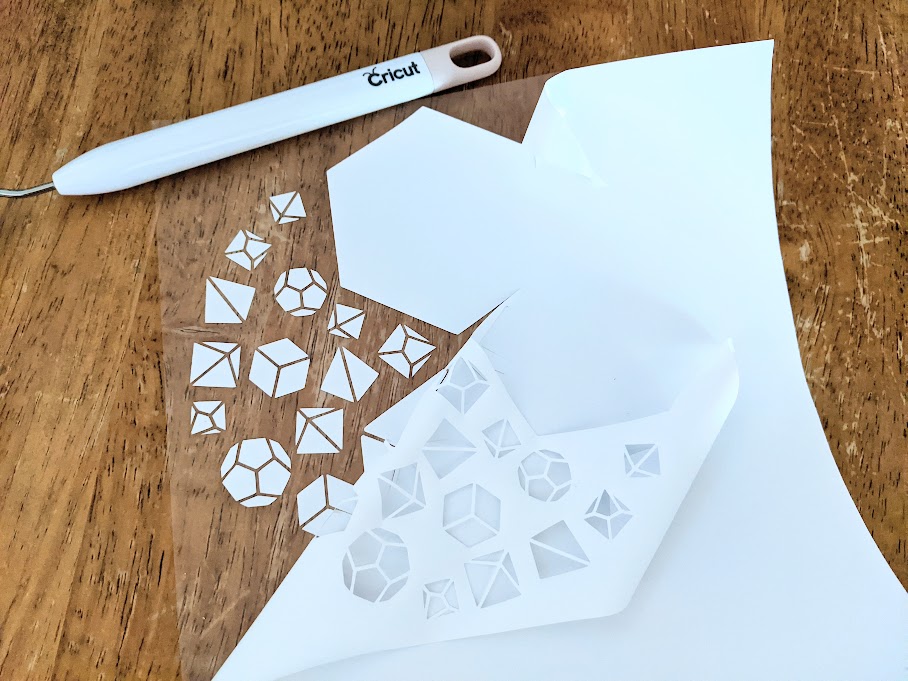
(230, 559)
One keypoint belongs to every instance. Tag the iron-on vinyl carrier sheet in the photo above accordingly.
(768, 570)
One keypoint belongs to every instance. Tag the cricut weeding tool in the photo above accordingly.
(188, 144)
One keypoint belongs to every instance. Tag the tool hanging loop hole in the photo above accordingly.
(471, 58)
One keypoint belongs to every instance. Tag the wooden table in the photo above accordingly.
(87, 587)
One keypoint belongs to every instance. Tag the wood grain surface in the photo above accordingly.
(88, 585)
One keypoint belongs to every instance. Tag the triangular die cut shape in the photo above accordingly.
(335, 381)
(362, 376)
(551, 564)
(203, 358)
(314, 442)
(560, 538)
(227, 302)
(444, 461)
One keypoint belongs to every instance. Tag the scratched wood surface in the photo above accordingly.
(88, 588)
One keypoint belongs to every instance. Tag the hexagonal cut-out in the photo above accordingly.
(463, 385)
(326, 505)
(557, 551)
(208, 417)
(641, 461)
(247, 249)
(255, 472)
(447, 449)
(471, 514)
(279, 368)
(501, 438)
(300, 291)
(401, 492)
(406, 351)
(544, 475)
(376, 565)
(607, 515)
(492, 579)
(440, 598)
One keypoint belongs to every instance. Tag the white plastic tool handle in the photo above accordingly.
(174, 148)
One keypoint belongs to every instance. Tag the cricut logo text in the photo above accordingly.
(375, 78)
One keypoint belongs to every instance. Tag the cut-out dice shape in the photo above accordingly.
(544, 475)
(300, 291)
(279, 368)
(325, 505)
(492, 578)
(557, 551)
(607, 515)
(286, 208)
(406, 351)
(401, 492)
(376, 565)
(440, 598)
(348, 377)
(208, 417)
(471, 514)
(346, 321)
(501, 438)
(319, 430)
(247, 249)
(214, 365)
(255, 472)
(447, 449)
(227, 302)
(463, 385)
(641, 461)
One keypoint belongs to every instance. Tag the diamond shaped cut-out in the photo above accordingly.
(247, 249)
(319, 430)
(641, 461)
(440, 598)
(557, 551)
(208, 417)
(492, 579)
(607, 515)
(401, 492)
(447, 449)
(501, 438)
(406, 351)
(346, 321)
(286, 208)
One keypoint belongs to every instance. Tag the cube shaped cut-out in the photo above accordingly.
(492, 579)
(463, 385)
(401, 492)
(286, 208)
(642, 461)
(440, 598)
(300, 291)
(607, 515)
(471, 514)
(208, 417)
(406, 351)
(326, 505)
(279, 368)
(255, 472)
(376, 565)
(544, 475)
(247, 249)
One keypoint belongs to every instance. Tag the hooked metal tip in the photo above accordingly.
(22, 193)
